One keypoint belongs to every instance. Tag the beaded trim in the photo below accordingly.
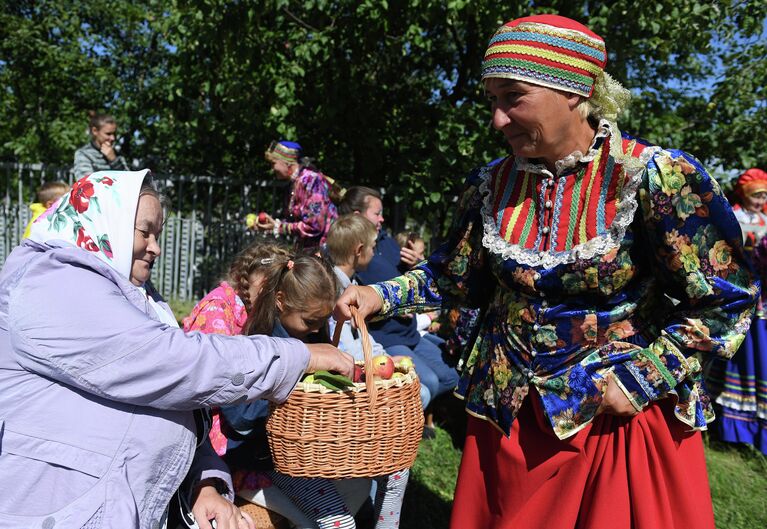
(600, 245)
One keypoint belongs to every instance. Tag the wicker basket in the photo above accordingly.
(262, 518)
(372, 429)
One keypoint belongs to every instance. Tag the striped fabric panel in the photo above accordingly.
(607, 179)
(584, 204)
(508, 217)
(543, 67)
(571, 204)
(587, 218)
(531, 201)
(554, 37)
(551, 40)
(554, 56)
(502, 188)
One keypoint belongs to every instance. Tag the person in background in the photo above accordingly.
(740, 383)
(426, 323)
(399, 335)
(310, 210)
(102, 396)
(47, 194)
(99, 154)
(295, 296)
(350, 245)
(611, 271)
(224, 310)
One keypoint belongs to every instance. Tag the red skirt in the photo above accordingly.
(645, 472)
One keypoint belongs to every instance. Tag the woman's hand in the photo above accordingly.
(325, 357)
(210, 505)
(615, 402)
(267, 224)
(409, 256)
(108, 150)
(366, 299)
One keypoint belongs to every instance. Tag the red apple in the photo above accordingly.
(359, 374)
(262, 217)
(383, 367)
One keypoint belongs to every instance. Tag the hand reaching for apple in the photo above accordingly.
(366, 299)
(325, 357)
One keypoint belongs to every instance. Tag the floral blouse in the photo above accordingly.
(221, 311)
(310, 210)
(626, 262)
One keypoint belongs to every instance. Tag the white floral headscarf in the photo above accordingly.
(98, 215)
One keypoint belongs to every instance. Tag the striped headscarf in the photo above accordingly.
(547, 50)
(285, 151)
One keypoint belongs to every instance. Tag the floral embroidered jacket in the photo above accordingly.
(627, 261)
(310, 210)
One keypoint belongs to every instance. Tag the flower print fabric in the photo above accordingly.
(221, 311)
(98, 215)
(310, 211)
(636, 273)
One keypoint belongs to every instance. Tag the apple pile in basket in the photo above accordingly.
(384, 368)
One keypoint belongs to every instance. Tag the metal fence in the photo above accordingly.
(204, 225)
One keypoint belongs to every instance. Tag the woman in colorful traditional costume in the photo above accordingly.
(310, 210)
(606, 269)
(741, 383)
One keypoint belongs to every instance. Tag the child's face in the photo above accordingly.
(367, 255)
(303, 322)
(419, 246)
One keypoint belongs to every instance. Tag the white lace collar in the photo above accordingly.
(604, 129)
(600, 245)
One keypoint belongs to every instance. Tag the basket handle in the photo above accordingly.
(367, 350)
(337, 334)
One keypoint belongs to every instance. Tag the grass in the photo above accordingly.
(181, 308)
(737, 474)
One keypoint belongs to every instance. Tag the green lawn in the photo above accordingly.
(738, 477)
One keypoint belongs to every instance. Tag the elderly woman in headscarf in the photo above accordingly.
(99, 386)
(310, 210)
(607, 269)
(740, 384)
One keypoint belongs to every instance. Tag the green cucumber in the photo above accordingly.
(333, 381)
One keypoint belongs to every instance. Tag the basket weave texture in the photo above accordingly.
(372, 429)
(262, 517)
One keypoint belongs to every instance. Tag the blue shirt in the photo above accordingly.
(385, 266)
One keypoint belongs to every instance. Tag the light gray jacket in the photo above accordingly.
(89, 159)
(96, 395)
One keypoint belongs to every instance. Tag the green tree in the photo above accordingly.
(384, 93)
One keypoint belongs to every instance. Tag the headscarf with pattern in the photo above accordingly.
(97, 215)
